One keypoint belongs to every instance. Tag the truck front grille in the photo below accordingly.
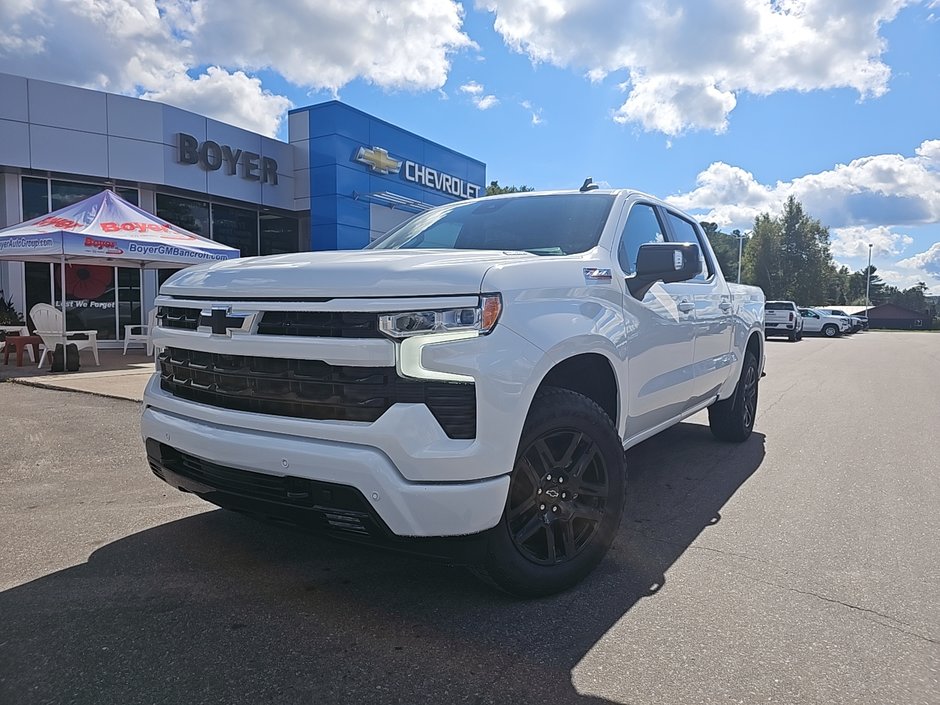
(178, 318)
(311, 324)
(311, 389)
(320, 324)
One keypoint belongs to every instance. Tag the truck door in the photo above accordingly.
(660, 331)
(711, 350)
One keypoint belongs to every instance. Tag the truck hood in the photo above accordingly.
(341, 274)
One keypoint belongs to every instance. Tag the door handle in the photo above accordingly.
(686, 306)
(725, 306)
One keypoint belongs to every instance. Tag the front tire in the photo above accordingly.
(830, 330)
(565, 499)
(733, 419)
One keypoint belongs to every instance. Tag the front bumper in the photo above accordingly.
(266, 473)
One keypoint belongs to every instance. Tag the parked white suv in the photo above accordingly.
(856, 323)
(783, 318)
(818, 322)
(477, 373)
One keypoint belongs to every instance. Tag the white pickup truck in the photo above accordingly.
(465, 387)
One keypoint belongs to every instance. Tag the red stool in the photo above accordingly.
(19, 343)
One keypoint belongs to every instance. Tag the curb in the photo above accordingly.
(59, 388)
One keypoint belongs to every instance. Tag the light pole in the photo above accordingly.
(740, 237)
(868, 284)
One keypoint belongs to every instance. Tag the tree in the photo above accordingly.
(788, 256)
(495, 189)
(912, 298)
(725, 247)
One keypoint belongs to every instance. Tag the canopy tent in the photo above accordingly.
(104, 229)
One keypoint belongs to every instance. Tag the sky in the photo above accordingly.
(723, 107)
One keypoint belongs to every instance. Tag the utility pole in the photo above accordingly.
(868, 284)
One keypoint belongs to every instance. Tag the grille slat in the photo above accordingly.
(311, 389)
(320, 324)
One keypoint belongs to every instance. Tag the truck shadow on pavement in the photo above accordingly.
(219, 608)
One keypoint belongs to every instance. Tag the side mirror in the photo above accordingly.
(665, 262)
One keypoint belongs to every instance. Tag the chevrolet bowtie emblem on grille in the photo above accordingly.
(221, 321)
(378, 159)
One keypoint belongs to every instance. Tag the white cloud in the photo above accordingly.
(687, 62)
(882, 190)
(327, 44)
(475, 91)
(535, 113)
(472, 87)
(854, 241)
(928, 261)
(486, 102)
(878, 199)
(145, 47)
(229, 97)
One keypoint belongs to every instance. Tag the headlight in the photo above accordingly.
(480, 318)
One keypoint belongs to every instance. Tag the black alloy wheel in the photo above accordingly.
(733, 418)
(558, 496)
(565, 500)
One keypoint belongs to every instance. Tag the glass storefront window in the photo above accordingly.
(236, 227)
(131, 195)
(65, 193)
(90, 298)
(278, 234)
(35, 197)
(186, 213)
(129, 307)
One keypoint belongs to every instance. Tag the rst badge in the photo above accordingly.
(594, 274)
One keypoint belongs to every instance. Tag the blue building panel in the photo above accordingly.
(349, 237)
(333, 149)
(351, 211)
(335, 118)
(358, 161)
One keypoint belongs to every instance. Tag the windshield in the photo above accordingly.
(551, 224)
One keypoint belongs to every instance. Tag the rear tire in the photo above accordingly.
(565, 498)
(733, 419)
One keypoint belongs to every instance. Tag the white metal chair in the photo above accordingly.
(140, 333)
(48, 322)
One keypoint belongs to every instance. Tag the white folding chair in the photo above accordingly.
(140, 333)
(48, 322)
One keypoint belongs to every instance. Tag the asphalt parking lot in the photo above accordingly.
(800, 567)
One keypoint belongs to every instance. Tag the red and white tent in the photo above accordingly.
(106, 229)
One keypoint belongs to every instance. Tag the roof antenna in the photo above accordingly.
(588, 185)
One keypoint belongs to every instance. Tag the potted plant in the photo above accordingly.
(9, 316)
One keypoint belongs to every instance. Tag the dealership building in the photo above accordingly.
(342, 179)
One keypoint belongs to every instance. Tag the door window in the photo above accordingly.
(642, 227)
(685, 231)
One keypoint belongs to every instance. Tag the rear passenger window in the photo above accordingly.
(687, 232)
(642, 226)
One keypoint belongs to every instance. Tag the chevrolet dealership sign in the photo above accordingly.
(380, 162)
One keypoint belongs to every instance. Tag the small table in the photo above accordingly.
(19, 343)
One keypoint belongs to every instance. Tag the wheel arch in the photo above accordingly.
(590, 374)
